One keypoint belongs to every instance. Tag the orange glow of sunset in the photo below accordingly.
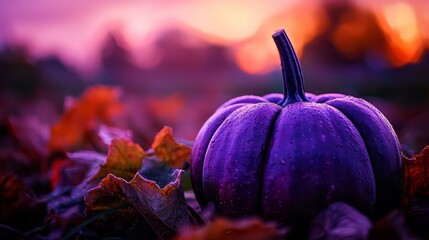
(259, 55)
(75, 33)
(403, 32)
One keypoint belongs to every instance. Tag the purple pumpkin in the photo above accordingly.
(288, 156)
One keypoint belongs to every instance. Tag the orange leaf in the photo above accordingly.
(97, 104)
(416, 175)
(124, 159)
(223, 229)
(167, 149)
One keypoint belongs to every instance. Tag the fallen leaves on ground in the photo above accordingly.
(167, 149)
(416, 171)
(164, 209)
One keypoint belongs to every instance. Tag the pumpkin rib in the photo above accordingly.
(229, 182)
(265, 155)
(295, 163)
(383, 149)
(200, 146)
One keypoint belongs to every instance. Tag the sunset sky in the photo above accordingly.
(74, 29)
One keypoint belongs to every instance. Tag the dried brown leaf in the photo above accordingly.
(416, 175)
(163, 208)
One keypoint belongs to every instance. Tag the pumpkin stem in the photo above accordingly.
(293, 81)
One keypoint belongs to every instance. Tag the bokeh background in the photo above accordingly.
(176, 61)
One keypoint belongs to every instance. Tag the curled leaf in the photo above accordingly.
(124, 159)
(416, 175)
(167, 149)
(224, 229)
(163, 208)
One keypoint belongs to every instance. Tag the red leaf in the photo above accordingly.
(416, 175)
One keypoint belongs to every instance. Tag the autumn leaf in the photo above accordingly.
(163, 208)
(167, 149)
(124, 159)
(224, 229)
(416, 175)
(339, 221)
(98, 104)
